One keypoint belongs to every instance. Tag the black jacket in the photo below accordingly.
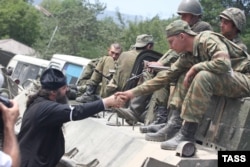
(41, 138)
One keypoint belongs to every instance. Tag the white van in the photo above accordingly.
(26, 67)
(71, 66)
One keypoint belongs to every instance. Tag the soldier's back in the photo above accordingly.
(125, 64)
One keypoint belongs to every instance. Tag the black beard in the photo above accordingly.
(62, 100)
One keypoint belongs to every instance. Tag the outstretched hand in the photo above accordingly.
(125, 96)
(189, 77)
(113, 101)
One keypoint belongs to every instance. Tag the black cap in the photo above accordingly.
(52, 79)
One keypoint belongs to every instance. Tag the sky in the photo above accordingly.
(145, 8)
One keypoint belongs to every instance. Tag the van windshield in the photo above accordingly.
(24, 71)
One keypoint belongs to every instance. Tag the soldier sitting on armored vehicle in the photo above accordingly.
(232, 23)
(102, 73)
(230, 29)
(156, 113)
(215, 66)
(126, 62)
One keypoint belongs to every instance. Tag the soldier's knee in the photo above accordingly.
(204, 76)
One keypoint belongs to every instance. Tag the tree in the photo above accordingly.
(155, 27)
(18, 20)
(77, 28)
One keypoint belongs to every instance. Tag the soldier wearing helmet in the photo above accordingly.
(191, 12)
(232, 22)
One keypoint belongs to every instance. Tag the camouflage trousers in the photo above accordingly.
(158, 98)
(206, 84)
(178, 95)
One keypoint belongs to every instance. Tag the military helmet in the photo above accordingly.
(190, 6)
(236, 15)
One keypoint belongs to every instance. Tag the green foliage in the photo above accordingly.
(19, 20)
(211, 11)
(71, 26)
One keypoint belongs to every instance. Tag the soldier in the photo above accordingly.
(191, 12)
(230, 31)
(215, 66)
(125, 64)
(232, 23)
(101, 70)
(88, 71)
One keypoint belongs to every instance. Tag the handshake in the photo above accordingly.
(118, 99)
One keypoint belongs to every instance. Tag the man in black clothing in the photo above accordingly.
(41, 138)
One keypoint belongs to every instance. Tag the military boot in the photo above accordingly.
(152, 128)
(89, 95)
(172, 126)
(161, 118)
(127, 114)
(186, 133)
(135, 111)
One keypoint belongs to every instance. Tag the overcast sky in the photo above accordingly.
(145, 8)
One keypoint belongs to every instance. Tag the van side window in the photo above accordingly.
(72, 72)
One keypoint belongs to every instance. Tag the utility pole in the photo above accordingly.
(48, 14)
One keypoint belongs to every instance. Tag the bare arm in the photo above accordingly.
(10, 144)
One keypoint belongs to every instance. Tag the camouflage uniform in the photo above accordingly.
(201, 26)
(88, 71)
(219, 67)
(161, 97)
(126, 62)
(237, 40)
(195, 103)
(238, 18)
(104, 66)
(215, 77)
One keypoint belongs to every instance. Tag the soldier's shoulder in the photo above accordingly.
(202, 26)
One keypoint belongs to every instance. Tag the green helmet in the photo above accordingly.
(236, 15)
(190, 6)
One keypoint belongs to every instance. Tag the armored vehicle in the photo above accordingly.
(92, 143)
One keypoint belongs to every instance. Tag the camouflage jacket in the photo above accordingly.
(201, 26)
(206, 45)
(105, 64)
(88, 71)
(124, 68)
(239, 42)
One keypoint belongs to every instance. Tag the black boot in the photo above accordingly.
(186, 133)
(89, 94)
(152, 128)
(161, 118)
(90, 90)
(169, 130)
